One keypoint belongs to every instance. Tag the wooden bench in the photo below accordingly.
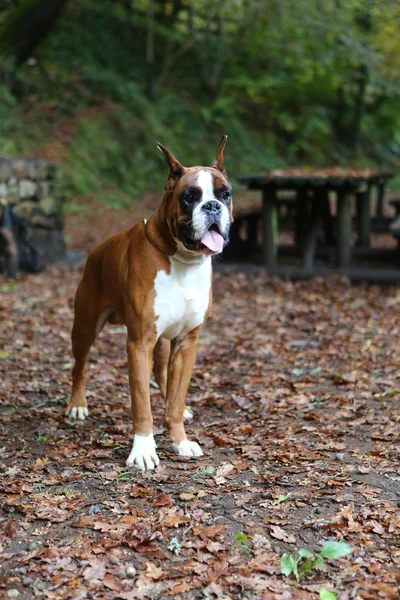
(244, 231)
(395, 224)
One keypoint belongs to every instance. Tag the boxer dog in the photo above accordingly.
(155, 278)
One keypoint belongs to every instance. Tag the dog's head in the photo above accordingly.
(199, 204)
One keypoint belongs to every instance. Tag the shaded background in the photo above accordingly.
(94, 84)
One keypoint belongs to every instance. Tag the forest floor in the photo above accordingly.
(295, 396)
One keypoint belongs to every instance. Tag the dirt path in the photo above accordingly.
(296, 401)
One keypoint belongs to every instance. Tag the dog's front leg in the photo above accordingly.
(182, 358)
(143, 454)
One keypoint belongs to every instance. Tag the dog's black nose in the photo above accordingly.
(212, 206)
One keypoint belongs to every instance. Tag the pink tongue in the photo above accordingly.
(213, 240)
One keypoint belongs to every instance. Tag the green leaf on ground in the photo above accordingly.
(174, 545)
(325, 594)
(308, 565)
(208, 470)
(281, 499)
(305, 553)
(332, 549)
(298, 372)
(240, 537)
(287, 564)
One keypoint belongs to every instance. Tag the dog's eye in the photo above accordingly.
(191, 196)
(226, 195)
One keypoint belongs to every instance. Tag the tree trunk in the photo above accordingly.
(150, 51)
(26, 27)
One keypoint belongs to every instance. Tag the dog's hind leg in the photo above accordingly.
(161, 358)
(89, 320)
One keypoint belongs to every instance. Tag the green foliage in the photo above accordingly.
(174, 545)
(63, 492)
(303, 561)
(126, 162)
(325, 594)
(241, 542)
(281, 499)
(124, 476)
(291, 82)
(332, 549)
(288, 564)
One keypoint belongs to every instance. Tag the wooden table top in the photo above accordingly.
(330, 178)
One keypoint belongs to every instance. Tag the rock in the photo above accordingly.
(27, 188)
(26, 209)
(38, 219)
(5, 169)
(121, 574)
(27, 581)
(13, 593)
(13, 190)
(114, 560)
(131, 572)
(32, 546)
(19, 168)
(49, 206)
(50, 244)
(54, 171)
(31, 169)
(43, 189)
(41, 585)
(41, 169)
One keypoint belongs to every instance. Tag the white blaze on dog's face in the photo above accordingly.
(205, 211)
(201, 204)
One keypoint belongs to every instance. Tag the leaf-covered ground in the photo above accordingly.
(296, 401)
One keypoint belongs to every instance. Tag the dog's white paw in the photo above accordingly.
(143, 454)
(187, 448)
(187, 414)
(77, 412)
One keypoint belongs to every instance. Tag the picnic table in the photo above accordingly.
(312, 190)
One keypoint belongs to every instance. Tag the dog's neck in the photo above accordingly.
(158, 231)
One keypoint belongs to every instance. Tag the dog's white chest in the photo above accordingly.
(181, 298)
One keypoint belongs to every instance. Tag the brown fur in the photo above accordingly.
(118, 287)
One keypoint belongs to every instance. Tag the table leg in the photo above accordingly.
(379, 202)
(302, 218)
(252, 226)
(327, 219)
(363, 218)
(310, 240)
(343, 249)
(270, 230)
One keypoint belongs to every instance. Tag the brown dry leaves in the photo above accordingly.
(296, 398)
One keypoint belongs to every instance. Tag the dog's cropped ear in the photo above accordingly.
(219, 157)
(176, 170)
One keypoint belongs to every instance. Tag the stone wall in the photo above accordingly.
(32, 188)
